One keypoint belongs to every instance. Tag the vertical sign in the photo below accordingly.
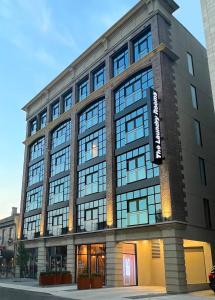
(154, 126)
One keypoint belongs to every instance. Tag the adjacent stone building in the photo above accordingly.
(114, 180)
(208, 11)
(8, 239)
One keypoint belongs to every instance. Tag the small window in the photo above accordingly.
(57, 220)
(99, 78)
(120, 62)
(67, 101)
(55, 110)
(142, 45)
(207, 213)
(136, 169)
(91, 183)
(91, 149)
(91, 214)
(33, 126)
(194, 97)
(198, 134)
(43, 119)
(202, 171)
(10, 233)
(83, 90)
(137, 211)
(190, 63)
(134, 129)
(3, 236)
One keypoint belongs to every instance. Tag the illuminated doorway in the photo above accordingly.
(91, 259)
(129, 264)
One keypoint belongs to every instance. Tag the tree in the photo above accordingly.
(22, 258)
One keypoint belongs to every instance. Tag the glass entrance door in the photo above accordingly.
(129, 265)
(32, 263)
(91, 259)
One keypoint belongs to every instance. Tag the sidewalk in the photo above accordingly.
(71, 292)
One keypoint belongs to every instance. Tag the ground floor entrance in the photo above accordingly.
(126, 259)
(91, 259)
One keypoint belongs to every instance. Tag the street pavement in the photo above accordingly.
(12, 294)
(29, 290)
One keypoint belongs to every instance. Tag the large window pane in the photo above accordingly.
(139, 207)
(133, 90)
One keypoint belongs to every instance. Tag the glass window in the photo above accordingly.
(133, 90)
(120, 62)
(57, 258)
(190, 63)
(11, 232)
(59, 190)
(36, 173)
(135, 165)
(33, 126)
(55, 110)
(37, 149)
(67, 101)
(92, 180)
(139, 207)
(93, 115)
(43, 119)
(202, 171)
(142, 45)
(34, 199)
(92, 146)
(194, 97)
(207, 212)
(60, 161)
(132, 127)
(198, 135)
(91, 215)
(3, 236)
(57, 222)
(83, 90)
(31, 227)
(61, 134)
(99, 78)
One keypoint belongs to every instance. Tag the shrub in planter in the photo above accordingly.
(96, 281)
(83, 281)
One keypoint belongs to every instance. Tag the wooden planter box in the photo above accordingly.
(96, 282)
(55, 278)
(83, 283)
(66, 278)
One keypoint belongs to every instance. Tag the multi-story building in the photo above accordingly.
(111, 184)
(208, 11)
(8, 239)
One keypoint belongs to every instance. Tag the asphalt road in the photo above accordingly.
(12, 294)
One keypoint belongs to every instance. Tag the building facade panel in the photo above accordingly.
(105, 203)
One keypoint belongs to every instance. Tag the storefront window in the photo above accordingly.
(91, 259)
(56, 258)
(32, 263)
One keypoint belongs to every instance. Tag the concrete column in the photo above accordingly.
(17, 271)
(114, 264)
(110, 160)
(41, 264)
(73, 173)
(71, 258)
(23, 195)
(45, 184)
(175, 271)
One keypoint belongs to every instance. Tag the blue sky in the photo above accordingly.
(38, 39)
